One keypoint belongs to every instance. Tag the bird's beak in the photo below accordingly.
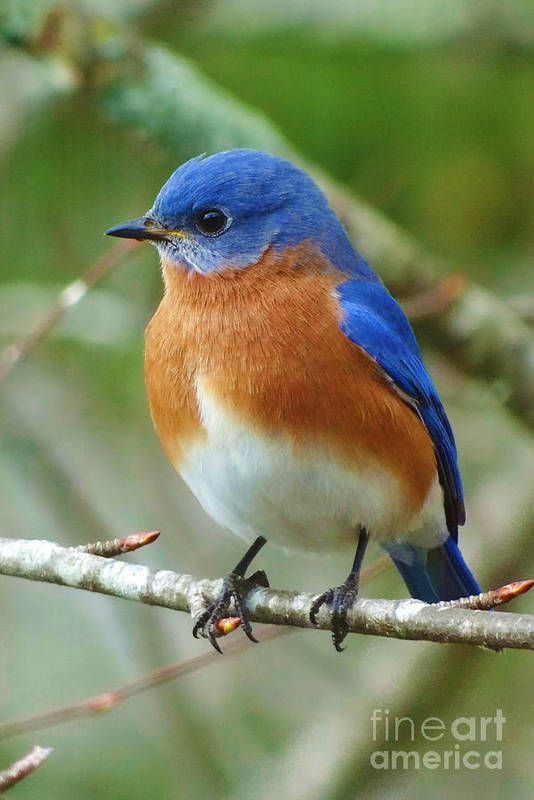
(141, 229)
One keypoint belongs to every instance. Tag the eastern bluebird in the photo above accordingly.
(287, 387)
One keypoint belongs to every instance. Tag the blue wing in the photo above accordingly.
(375, 322)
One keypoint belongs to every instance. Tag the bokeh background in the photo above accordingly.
(424, 109)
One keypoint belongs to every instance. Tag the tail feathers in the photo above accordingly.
(434, 575)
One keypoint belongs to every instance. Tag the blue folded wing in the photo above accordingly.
(375, 322)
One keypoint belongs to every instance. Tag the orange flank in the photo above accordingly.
(266, 343)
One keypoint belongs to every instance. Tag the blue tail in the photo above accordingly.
(433, 575)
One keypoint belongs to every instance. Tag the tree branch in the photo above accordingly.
(400, 619)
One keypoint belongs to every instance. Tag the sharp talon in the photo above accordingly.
(235, 588)
(199, 625)
(248, 633)
(243, 612)
(341, 599)
(214, 643)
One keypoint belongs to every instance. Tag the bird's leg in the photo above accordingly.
(342, 598)
(235, 587)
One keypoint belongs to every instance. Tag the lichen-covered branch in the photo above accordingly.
(401, 619)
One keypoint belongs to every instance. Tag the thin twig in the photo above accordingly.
(68, 297)
(23, 767)
(495, 597)
(106, 701)
(401, 619)
(117, 547)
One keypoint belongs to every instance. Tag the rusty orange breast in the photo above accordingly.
(266, 343)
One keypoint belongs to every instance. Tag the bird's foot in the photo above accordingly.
(340, 599)
(235, 589)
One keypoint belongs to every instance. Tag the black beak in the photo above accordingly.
(141, 229)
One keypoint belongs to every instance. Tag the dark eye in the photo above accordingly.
(212, 221)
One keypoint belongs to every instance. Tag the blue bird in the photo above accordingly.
(287, 387)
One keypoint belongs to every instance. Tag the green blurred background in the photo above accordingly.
(424, 109)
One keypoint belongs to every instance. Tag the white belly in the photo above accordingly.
(256, 486)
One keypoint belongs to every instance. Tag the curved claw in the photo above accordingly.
(242, 613)
(213, 641)
(248, 633)
(201, 621)
(340, 598)
(235, 589)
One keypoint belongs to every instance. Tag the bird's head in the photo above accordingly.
(224, 211)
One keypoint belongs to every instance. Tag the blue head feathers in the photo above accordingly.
(226, 210)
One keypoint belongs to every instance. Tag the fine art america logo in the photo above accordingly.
(463, 743)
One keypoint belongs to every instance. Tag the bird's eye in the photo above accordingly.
(212, 222)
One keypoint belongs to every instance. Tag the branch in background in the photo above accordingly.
(401, 619)
(23, 767)
(106, 701)
(436, 300)
(67, 298)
